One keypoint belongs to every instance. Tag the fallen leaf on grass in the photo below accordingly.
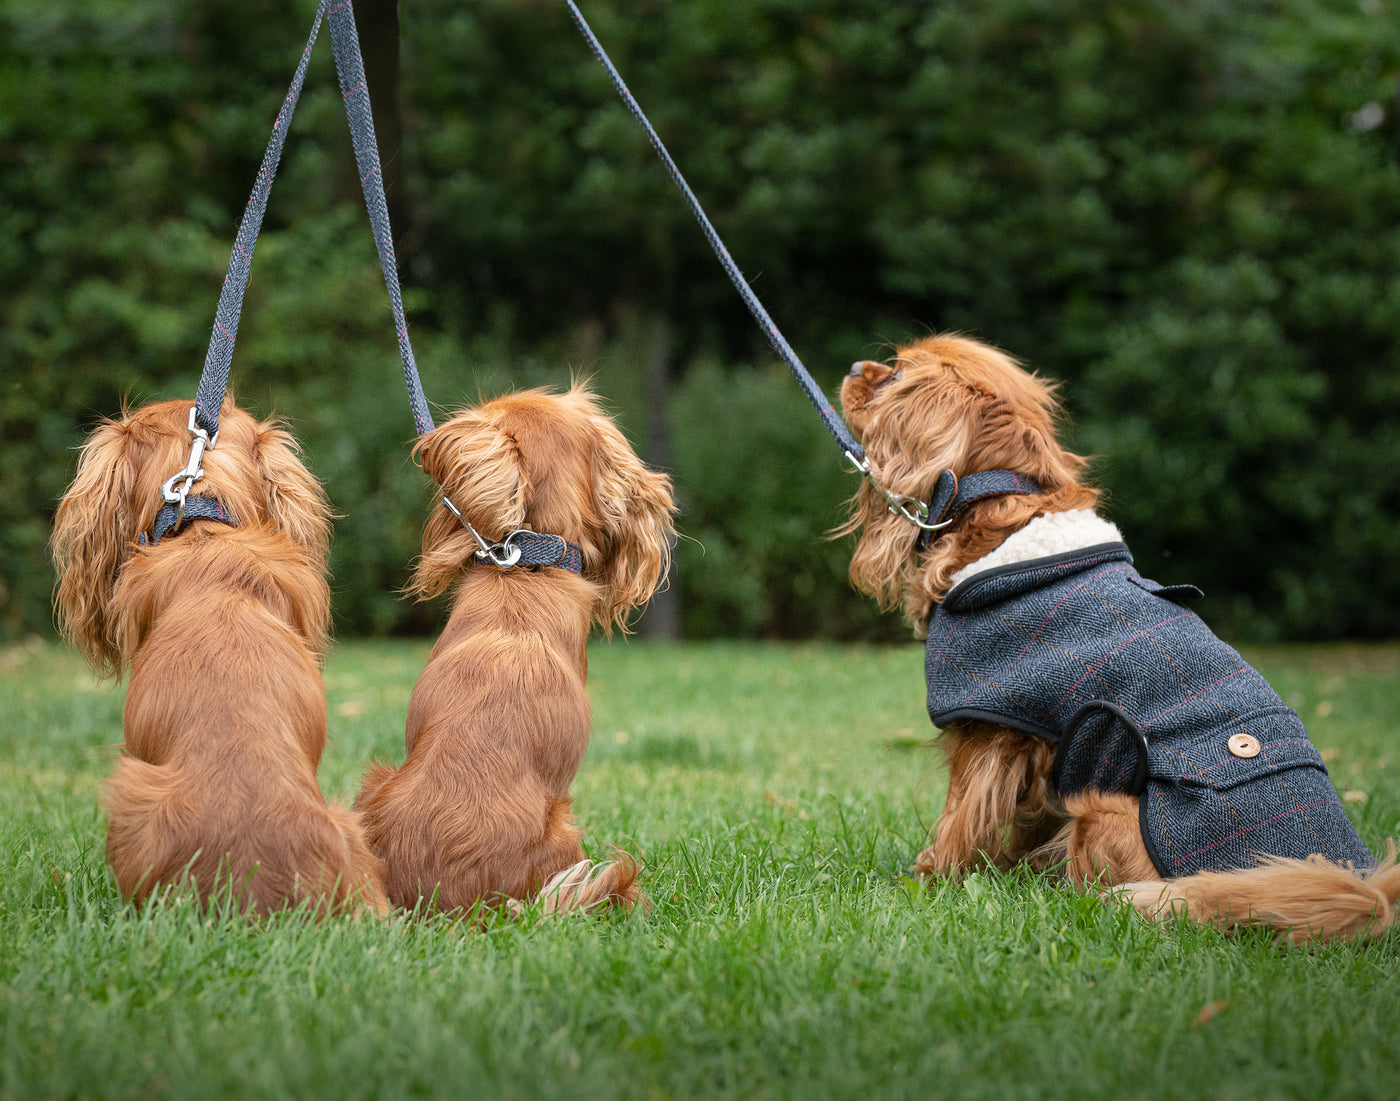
(1208, 1011)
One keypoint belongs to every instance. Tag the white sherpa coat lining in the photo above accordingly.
(1053, 533)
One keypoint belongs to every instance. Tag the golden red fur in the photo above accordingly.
(949, 403)
(221, 629)
(499, 720)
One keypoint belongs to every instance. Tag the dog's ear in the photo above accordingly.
(478, 467)
(295, 501)
(634, 506)
(908, 446)
(255, 469)
(297, 505)
(883, 547)
(92, 539)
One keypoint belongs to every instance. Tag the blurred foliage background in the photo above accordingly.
(1188, 210)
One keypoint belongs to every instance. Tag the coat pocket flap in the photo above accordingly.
(1249, 748)
(1175, 593)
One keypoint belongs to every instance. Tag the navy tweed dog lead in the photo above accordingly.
(213, 380)
(350, 71)
(520, 548)
(834, 424)
(912, 510)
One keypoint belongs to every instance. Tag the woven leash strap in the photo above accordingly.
(834, 424)
(350, 70)
(213, 381)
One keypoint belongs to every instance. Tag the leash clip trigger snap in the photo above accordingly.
(504, 554)
(193, 471)
(898, 506)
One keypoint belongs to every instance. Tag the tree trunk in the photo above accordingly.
(662, 619)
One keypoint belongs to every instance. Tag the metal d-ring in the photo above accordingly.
(504, 554)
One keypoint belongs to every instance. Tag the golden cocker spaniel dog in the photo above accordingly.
(1089, 720)
(499, 720)
(221, 622)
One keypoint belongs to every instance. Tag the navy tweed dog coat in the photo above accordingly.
(1141, 698)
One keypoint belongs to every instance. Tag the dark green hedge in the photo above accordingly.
(1186, 209)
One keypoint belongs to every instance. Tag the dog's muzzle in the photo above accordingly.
(858, 368)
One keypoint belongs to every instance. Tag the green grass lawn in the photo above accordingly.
(775, 795)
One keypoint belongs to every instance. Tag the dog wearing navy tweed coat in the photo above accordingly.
(1090, 720)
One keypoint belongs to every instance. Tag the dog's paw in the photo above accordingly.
(937, 865)
(1153, 899)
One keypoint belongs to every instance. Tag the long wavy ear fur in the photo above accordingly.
(91, 540)
(635, 506)
(256, 470)
(295, 500)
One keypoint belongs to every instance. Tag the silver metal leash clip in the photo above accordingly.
(898, 506)
(193, 471)
(503, 554)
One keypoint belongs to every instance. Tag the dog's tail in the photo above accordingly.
(165, 831)
(350, 878)
(591, 885)
(1303, 900)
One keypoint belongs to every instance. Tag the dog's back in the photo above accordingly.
(225, 723)
(497, 727)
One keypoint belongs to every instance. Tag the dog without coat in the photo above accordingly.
(499, 720)
(221, 622)
(1088, 718)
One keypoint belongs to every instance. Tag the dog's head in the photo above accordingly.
(254, 471)
(949, 403)
(552, 463)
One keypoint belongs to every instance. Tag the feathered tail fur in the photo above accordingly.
(1303, 900)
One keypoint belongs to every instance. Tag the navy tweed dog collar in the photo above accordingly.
(171, 519)
(533, 549)
(952, 496)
